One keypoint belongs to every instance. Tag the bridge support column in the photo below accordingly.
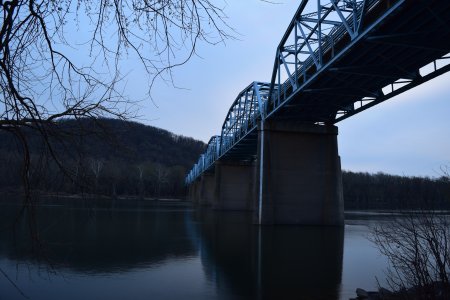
(207, 189)
(194, 192)
(189, 196)
(234, 185)
(299, 178)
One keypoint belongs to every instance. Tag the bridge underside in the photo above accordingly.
(391, 53)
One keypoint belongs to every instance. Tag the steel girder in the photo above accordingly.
(428, 72)
(329, 52)
(314, 34)
(206, 160)
(313, 40)
(242, 117)
(310, 53)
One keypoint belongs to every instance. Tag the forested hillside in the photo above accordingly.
(103, 156)
(117, 158)
(384, 191)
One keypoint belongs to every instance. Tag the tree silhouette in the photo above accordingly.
(63, 59)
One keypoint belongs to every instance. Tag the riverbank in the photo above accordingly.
(437, 291)
(11, 195)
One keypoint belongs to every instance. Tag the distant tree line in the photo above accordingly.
(97, 176)
(104, 157)
(384, 191)
(118, 158)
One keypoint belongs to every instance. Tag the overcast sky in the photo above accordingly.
(407, 135)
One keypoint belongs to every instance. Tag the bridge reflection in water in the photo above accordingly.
(270, 262)
(165, 251)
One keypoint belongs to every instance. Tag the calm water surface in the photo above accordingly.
(167, 250)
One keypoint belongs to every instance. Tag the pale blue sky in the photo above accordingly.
(408, 134)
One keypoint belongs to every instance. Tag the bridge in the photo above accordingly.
(277, 153)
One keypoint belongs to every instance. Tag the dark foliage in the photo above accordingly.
(384, 191)
(102, 156)
(114, 157)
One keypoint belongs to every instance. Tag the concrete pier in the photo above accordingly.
(194, 192)
(207, 189)
(234, 185)
(298, 175)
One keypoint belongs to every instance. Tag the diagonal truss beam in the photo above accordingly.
(312, 45)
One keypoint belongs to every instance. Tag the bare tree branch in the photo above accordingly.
(47, 74)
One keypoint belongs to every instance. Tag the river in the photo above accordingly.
(168, 250)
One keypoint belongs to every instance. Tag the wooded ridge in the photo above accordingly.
(114, 157)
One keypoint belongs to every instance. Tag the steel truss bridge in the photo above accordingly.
(336, 59)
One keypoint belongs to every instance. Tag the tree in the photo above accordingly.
(96, 167)
(140, 168)
(63, 59)
(418, 249)
(417, 246)
(160, 175)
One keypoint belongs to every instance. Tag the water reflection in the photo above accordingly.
(97, 239)
(270, 262)
(168, 251)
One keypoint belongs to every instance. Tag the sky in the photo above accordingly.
(406, 135)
